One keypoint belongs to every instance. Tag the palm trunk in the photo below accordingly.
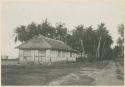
(82, 48)
(123, 47)
(103, 50)
(97, 52)
(123, 50)
(94, 47)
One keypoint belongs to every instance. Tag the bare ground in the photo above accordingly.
(111, 73)
(90, 76)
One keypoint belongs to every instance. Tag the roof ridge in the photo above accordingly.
(46, 41)
(54, 39)
(50, 38)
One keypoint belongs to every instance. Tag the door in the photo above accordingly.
(40, 59)
(36, 60)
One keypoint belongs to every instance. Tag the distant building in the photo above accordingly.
(4, 57)
(41, 49)
(9, 61)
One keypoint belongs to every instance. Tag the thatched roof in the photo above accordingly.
(41, 42)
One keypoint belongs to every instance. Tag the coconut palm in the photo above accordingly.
(20, 34)
(104, 40)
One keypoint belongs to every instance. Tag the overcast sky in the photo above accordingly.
(71, 12)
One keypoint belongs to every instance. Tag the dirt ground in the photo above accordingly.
(111, 73)
(90, 76)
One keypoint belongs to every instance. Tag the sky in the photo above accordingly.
(70, 12)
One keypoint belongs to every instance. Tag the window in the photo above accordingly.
(59, 53)
(27, 52)
(63, 54)
(42, 53)
(20, 52)
(70, 54)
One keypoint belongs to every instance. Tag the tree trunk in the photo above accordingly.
(82, 48)
(123, 50)
(97, 52)
(102, 54)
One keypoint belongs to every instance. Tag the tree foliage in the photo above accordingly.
(119, 48)
(86, 40)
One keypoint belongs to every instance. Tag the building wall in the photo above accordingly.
(27, 56)
(45, 56)
(55, 56)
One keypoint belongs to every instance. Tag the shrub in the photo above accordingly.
(80, 59)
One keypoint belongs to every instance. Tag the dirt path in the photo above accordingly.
(91, 76)
(108, 75)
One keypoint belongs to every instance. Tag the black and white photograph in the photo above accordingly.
(62, 42)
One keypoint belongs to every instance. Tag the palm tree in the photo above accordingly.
(20, 34)
(32, 30)
(104, 40)
(120, 40)
(61, 32)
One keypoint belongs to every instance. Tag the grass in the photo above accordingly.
(35, 74)
(39, 74)
(120, 73)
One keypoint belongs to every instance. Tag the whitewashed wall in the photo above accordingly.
(27, 55)
(42, 56)
(61, 56)
(45, 56)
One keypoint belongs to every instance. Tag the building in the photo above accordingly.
(4, 57)
(41, 49)
(9, 61)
